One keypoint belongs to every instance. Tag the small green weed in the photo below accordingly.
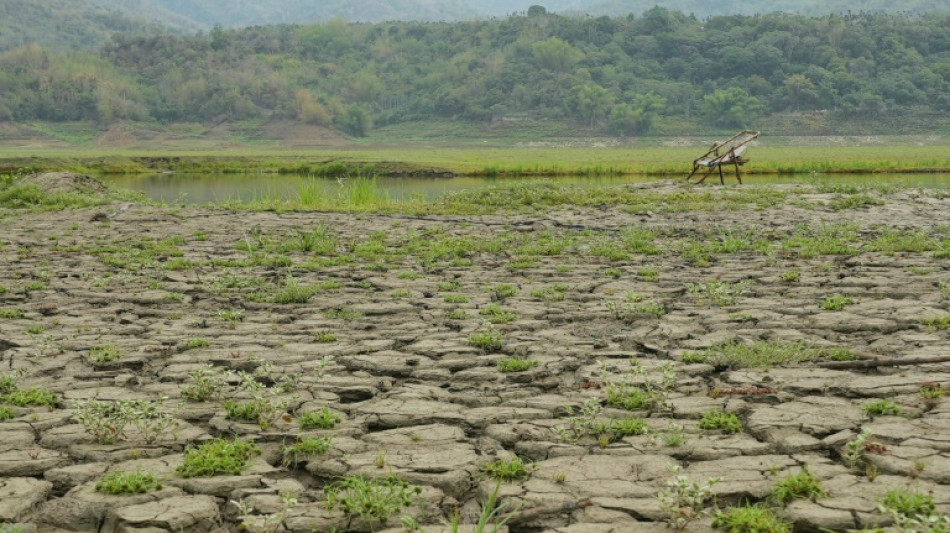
(684, 500)
(35, 286)
(206, 383)
(636, 390)
(178, 264)
(400, 293)
(292, 292)
(766, 353)
(503, 291)
(104, 353)
(632, 398)
(456, 314)
(804, 486)
(824, 239)
(507, 470)
(448, 286)
(196, 343)
(893, 241)
(881, 407)
(32, 397)
(649, 275)
(723, 421)
(306, 447)
(516, 364)
(217, 457)
(750, 519)
(855, 451)
(8, 383)
(342, 314)
(257, 410)
(488, 339)
(324, 337)
(231, 316)
(589, 424)
(109, 422)
(497, 315)
(908, 502)
(937, 322)
(674, 437)
(854, 201)
(320, 419)
(719, 293)
(318, 240)
(374, 501)
(455, 299)
(630, 310)
(622, 427)
(10, 313)
(929, 391)
(836, 302)
(118, 483)
(790, 276)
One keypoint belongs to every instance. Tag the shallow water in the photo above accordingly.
(214, 188)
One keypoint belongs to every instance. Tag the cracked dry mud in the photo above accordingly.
(384, 341)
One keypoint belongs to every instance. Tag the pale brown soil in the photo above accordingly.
(418, 401)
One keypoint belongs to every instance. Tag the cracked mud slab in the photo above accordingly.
(387, 339)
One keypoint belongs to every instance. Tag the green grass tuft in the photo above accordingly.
(118, 483)
(217, 457)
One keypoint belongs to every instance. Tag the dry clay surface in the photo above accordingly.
(391, 338)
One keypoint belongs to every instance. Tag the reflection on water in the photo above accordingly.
(214, 188)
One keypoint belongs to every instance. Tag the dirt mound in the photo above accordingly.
(299, 135)
(119, 135)
(57, 182)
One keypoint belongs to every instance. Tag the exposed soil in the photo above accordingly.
(64, 182)
(418, 400)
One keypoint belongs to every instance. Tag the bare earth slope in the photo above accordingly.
(397, 325)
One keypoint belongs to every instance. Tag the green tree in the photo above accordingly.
(537, 11)
(637, 117)
(730, 107)
(555, 54)
(592, 102)
(355, 121)
(800, 91)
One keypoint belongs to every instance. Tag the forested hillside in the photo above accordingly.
(238, 13)
(69, 24)
(660, 73)
(190, 15)
(705, 8)
(235, 13)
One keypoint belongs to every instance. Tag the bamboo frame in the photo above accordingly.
(714, 159)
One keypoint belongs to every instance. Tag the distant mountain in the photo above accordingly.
(88, 23)
(232, 13)
(704, 8)
(187, 14)
(76, 24)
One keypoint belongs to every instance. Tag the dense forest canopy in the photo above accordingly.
(237, 13)
(71, 24)
(628, 75)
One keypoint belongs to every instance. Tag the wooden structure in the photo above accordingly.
(728, 152)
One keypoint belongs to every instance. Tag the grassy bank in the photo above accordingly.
(545, 161)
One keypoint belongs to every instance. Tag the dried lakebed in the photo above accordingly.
(608, 363)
